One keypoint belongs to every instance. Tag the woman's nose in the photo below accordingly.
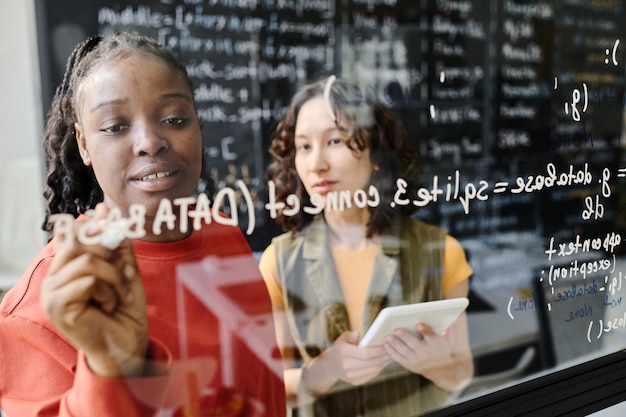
(149, 141)
(319, 162)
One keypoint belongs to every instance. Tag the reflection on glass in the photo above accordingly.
(516, 111)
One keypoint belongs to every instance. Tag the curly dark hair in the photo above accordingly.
(71, 186)
(368, 124)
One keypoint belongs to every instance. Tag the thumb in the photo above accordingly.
(126, 258)
(126, 262)
(351, 337)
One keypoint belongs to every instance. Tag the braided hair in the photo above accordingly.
(71, 186)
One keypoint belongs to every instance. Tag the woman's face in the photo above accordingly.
(139, 131)
(323, 160)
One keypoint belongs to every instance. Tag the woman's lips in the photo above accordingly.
(157, 181)
(156, 175)
(323, 187)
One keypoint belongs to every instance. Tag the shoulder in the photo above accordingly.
(286, 239)
(452, 244)
(267, 263)
(268, 255)
(293, 239)
(23, 297)
(455, 253)
(284, 246)
(288, 250)
(309, 240)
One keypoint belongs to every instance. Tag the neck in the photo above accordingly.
(165, 234)
(348, 229)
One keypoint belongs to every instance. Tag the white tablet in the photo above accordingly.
(439, 315)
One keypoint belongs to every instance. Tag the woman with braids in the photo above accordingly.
(98, 327)
(332, 272)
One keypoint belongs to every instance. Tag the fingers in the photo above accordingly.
(105, 296)
(401, 348)
(355, 364)
(353, 357)
(88, 264)
(103, 227)
(347, 343)
(101, 211)
(72, 300)
(359, 370)
(402, 344)
(425, 331)
(68, 249)
(418, 351)
(85, 279)
(404, 341)
(125, 260)
(103, 276)
(87, 238)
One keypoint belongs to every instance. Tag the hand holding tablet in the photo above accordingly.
(439, 315)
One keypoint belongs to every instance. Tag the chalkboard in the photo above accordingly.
(480, 85)
(516, 108)
(572, 309)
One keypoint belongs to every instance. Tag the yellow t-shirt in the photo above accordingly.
(354, 269)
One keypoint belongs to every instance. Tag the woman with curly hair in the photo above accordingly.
(338, 264)
(98, 325)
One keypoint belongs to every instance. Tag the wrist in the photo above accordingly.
(315, 379)
(118, 364)
(307, 380)
(112, 368)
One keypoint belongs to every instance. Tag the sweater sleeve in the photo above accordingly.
(269, 271)
(455, 265)
(44, 376)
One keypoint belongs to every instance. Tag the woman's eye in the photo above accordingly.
(302, 147)
(335, 141)
(176, 121)
(114, 129)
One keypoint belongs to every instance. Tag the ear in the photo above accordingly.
(82, 147)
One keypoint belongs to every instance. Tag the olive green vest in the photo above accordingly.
(316, 313)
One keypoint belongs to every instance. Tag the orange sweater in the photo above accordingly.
(42, 374)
